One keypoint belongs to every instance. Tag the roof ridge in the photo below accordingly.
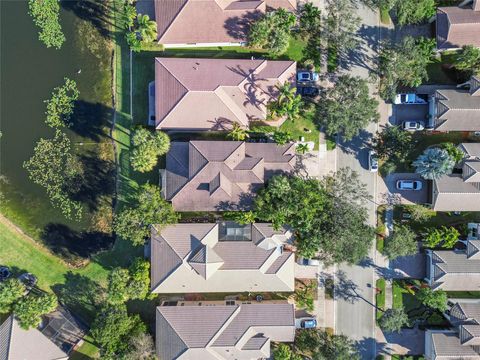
(224, 326)
(160, 37)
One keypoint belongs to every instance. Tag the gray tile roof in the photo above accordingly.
(465, 313)
(216, 179)
(456, 110)
(219, 265)
(447, 346)
(204, 330)
(457, 26)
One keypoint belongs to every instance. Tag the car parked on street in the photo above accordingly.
(372, 161)
(413, 125)
(308, 91)
(310, 262)
(410, 99)
(409, 185)
(305, 76)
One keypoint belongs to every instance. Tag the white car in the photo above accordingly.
(310, 262)
(413, 125)
(409, 99)
(304, 76)
(372, 161)
(409, 185)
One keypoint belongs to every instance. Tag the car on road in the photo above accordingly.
(310, 262)
(410, 99)
(409, 185)
(413, 125)
(308, 91)
(304, 76)
(372, 161)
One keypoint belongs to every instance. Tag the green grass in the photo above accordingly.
(438, 71)
(380, 297)
(303, 126)
(385, 16)
(85, 352)
(397, 292)
(464, 294)
(331, 144)
(295, 51)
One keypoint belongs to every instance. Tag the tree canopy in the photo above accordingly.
(347, 108)
(401, 243)
(60, 106)
(29, 309)
(468, 59)
(404, 64)
(434, 163)
(147, 147)
(319, 345)
(11, 290)
(393, 320)
(149, 208)
(45, 15)
(415, 11)
(434, 299)
(287, 104)
(326, 215)
(283, 351)
(272, 31)
(55, 168)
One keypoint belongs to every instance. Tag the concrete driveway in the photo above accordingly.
(409, 267)
(401, 113)
(406, 342)
(405, 196)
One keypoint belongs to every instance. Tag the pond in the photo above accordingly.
(29, 73)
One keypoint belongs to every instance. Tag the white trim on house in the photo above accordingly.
(172, 46)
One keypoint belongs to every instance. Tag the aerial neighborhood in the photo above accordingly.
(240, 179)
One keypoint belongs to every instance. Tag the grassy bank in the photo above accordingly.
(380, 297)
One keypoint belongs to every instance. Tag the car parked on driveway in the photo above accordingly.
(304, 76)
(413, 125)
(372, 161)
(410, 99)
(306, 323)
(409, 185)
(308, 91)
(310, 262)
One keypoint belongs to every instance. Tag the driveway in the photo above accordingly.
(409, 266)
(406, 342)
(403, 113)
(406, 196)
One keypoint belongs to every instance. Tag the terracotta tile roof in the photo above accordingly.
(218, 177)
(457, 26)
(210, 21)
(211, 94)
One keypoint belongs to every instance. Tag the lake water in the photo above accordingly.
(29, 72)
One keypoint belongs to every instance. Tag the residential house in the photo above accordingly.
(221, 175)
(186, 23)
(222, 332)
(58, 334)
(460, 191)
(213, 94)
(221, 257)
(456, 109)
(454, 270)
(462, 341)
(458, 25)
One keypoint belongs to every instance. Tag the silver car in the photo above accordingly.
(409, 185)
(413, 125)
(372, 161)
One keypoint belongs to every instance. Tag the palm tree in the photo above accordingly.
(237, 133)
(434, 163)
(285, 92)
(147, 28)
(129, 15)
(302, 148)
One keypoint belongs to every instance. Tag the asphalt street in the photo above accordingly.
(354, 305)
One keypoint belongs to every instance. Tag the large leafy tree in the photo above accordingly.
(347, 107)
(45, 15)
(404, 63)
(394, 144)
(55, 168)
(401, 243)
(319, 345)
(393, 320)
(434, 163)
(29, 309)
(11, 290)
(60, 105)
(147, 147)
(415, 11)
(340, 25)
(283, 351)
(149, 208)
(272, 31)
(113, 329)
(129, 284)
(310, 19)
(434, 299)
(468, 59)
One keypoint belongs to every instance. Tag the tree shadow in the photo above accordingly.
(238, 27)
(96, 181)
(97, 12)
(80, 294)
(90, 120)
(74, 246)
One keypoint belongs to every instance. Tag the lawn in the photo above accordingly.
(380, 297)
(304, 126)
(440, 72)
(464, 294)
(385, 15)
(381, 229)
